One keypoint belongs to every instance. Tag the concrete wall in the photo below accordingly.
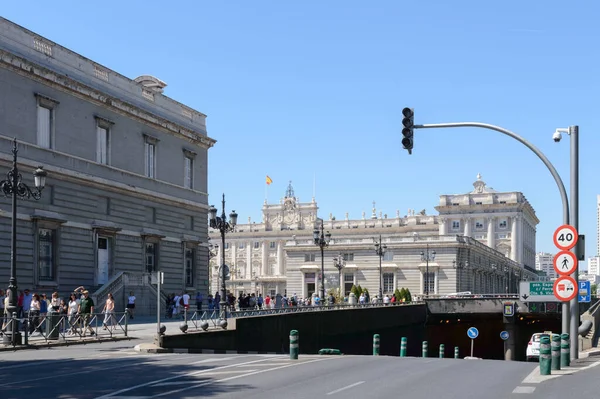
(349, 330)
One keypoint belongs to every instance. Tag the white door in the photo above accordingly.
(103, 256)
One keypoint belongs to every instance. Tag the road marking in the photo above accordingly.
(216, 359)
(346, 387)
(193, 373)
(521, 389)
(164, 384)
(203, 384)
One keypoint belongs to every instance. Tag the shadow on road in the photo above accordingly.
(133, 376)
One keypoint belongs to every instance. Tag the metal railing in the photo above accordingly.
(54, 327)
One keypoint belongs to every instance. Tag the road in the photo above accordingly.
(114, 370)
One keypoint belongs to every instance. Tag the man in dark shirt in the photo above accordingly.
(86, 309)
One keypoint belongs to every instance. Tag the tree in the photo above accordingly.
(354, 290)
(594, 289)
(408, 296)
(398, 296)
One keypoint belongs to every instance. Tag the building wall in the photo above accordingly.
(84, 199)
(545, 262)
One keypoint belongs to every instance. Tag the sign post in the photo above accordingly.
(472, 333)
(537, 291)
(585, 294)
(159, 281)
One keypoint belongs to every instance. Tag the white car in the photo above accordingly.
(533, 346)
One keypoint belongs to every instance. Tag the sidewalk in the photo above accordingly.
(141, 327)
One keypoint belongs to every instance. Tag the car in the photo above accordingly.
(533, 346)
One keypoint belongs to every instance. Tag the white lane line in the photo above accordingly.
(203, 384)
(346, 387)
(187, 382)
(521, 389)
(216, 359)
(193, 373)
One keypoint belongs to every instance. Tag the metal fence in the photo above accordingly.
(55, 327)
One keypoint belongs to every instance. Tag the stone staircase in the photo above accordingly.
(121, 284)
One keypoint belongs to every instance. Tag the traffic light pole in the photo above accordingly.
(574, 319)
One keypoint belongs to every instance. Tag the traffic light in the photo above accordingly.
(408, 122)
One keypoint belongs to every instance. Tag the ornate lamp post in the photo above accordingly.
(14, 187)
(380, 251)
(322, 240)
(221, 224)
(340, 263)
(427, 257)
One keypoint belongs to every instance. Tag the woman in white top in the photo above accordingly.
(72, 312)
(109, 312)
(131, 304)
(34, 314)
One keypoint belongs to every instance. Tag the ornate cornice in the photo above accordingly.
(74, 87)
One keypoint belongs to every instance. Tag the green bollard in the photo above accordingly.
(376, 345)
(424, 349)
(555, 352)
(456, 352)
(442, 350)
(545, 355)
(403, 344)
(565, 351)
(294, 347)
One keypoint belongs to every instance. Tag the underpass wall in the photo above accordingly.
(350, 330)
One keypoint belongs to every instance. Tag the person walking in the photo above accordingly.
(86, 310)
(109, 312)
(131, 305)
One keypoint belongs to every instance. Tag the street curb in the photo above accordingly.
(60, 344)
(158, 349)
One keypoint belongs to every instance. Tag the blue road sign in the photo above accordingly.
(473, 332)
(585, 291)
(504, 335)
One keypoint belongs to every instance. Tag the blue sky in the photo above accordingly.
(312, 87)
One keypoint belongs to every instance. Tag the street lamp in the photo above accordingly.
(14, 187)
(380, 250)
(322, 240)
(427, 257)
(340, 263)
(221, 224)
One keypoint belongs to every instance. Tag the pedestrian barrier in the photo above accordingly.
(424, 348)
(555, 349)
(376, 345)
(403, 344)
(57, 327)
(545, 355)
(442, 350)
(565, 350)
(294, 347)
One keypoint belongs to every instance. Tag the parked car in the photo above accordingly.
(533, 346)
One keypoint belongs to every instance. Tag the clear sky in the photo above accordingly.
(298, 89)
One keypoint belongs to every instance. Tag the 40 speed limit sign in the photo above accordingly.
(565, 237)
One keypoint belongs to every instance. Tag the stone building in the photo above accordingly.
(127, 172)
(278, 255)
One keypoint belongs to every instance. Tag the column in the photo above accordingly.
(421, 282)
(467, 229)
(491, 233)
(280, 259)
(220, 255)
(248, 271)
(442, 224)
(510, 343)
(520, 240)
(513, 239)
(435, 282)
(265, 258)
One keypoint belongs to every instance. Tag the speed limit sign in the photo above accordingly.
(565, 237)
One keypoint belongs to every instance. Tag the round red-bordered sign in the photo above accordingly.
(565, 288)
(565, 237)
(565, 263)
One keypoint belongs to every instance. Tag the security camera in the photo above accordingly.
(556, 136)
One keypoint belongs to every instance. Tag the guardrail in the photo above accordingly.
(54, 327)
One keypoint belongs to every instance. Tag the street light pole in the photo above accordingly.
(322, 240)
(561, 189)
(340, 263)
(14, 187)
(221, 224)
(429, 256)
(380, 250)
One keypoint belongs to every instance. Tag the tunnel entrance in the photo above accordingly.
(451, 330)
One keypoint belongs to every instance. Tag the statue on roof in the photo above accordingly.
(289, 193)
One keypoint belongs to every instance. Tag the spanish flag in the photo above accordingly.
(269, 180)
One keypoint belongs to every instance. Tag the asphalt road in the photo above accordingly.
(114, 370)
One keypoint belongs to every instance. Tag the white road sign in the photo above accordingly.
(565, 288)
(537, 291)
(565, 263)
(565, 237)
